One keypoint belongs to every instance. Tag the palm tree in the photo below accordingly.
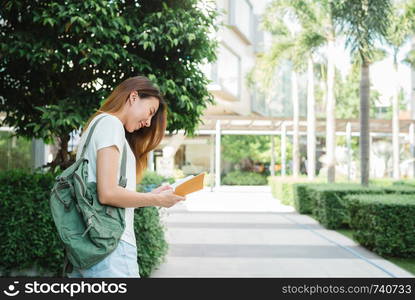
(316, 17)
(398, 33)
(364, 22)
(410, 59)
(311, 19)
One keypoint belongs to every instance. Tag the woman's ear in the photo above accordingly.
(133, 97)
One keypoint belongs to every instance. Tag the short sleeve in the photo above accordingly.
(109, 131)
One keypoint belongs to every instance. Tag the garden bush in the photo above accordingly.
(244, 178)
(28, 233)
(329, 205)
(152, 180)
(302, 200)
(384, 224)
(381, 181)
(406, 182)
(282, 187)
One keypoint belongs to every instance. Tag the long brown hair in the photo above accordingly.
(145, 139)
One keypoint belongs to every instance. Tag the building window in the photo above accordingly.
(240, 16)
(228, 70)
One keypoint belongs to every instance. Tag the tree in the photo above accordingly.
(59, 60)
(316, 29)
(348, 91)
(397, 34)
(298, 47)
(364, 22)
(253, 148)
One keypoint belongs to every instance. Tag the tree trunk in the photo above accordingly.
(364, 124)
(63, 158)
(311, 122)
(412, 108)
(283, 149)
(395, 121)
(330, 115)
(296, 123)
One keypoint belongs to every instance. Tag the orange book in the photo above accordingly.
(189, 184)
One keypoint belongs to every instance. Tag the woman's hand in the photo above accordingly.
(167, 198)
(161, 189)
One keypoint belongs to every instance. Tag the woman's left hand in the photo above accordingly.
(161, 188)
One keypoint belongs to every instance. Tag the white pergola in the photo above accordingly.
(217, 125)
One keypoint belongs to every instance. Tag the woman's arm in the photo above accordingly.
(109, 192)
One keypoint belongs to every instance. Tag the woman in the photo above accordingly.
(135, 114)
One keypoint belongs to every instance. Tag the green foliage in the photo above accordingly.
(59, 60)
(363, 22)
(29, 237)
(347, 94)
(381, 181)
(408, 182)
(302, 200)
(282, 187)
(15, 152)
(244, 178)
(151, 244)
(328, 202)
(152, 180)
(254, 147)
(384, 223)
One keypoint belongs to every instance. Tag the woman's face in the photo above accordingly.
(140, 112)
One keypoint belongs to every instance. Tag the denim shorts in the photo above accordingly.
(122, 262)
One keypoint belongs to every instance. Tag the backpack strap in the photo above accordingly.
(123, 178)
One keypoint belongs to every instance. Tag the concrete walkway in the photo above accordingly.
(244, 232)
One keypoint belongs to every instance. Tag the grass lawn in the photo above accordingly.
(405, 263)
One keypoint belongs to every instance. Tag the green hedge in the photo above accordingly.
(381, 181)
(28, 234)
(282, 187)
(303, 202)
(328, 204)
(152, 180)
(244, 178)
(406, 182)
(384, 223)
(392, 182)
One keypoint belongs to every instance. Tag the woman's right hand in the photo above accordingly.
(168, 198)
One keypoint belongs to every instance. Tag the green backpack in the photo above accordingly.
(89, 230)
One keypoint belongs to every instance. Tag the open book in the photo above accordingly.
(188, 184)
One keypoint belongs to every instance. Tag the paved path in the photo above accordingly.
(244, 232)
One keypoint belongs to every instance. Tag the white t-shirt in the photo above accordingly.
(110, 131)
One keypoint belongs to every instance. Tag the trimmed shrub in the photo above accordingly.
(384, 224)
(244, 178)
(405, 182)
(381, 181)
(303, 202)
(152, 180)
(28, 233)
(329, 204)
(151, 244)
(282, 188)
